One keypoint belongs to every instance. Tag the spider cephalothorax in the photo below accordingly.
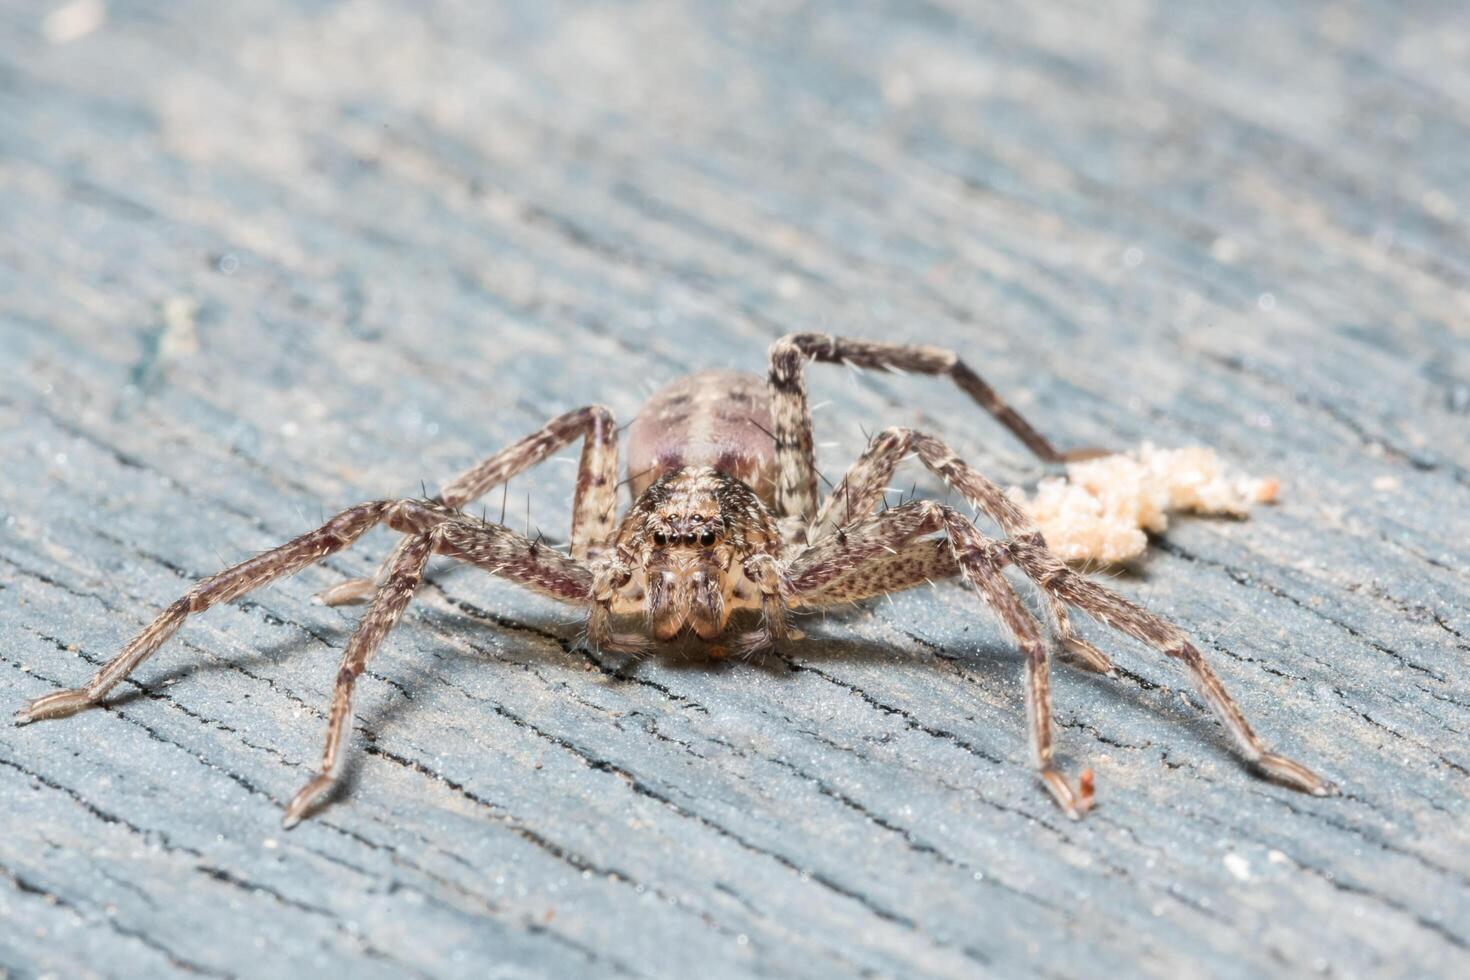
(726, 517)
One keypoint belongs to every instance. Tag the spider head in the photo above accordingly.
(691, 532)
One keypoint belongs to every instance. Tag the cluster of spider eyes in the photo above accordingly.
(660, 538)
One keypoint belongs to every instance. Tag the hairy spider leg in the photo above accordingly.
(796, 488)
(235, 581)
(888, 551)
(594, 504)
(1028, 552)
(430, 526)
(861, 490)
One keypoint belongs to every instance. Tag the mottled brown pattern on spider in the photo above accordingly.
(725, 518)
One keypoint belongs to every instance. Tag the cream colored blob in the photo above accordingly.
(1105, 508)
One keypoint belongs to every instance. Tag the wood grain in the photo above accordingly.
(260, 261)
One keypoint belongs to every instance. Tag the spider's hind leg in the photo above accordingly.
(796, 489)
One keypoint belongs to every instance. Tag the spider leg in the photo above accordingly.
(503, 552)
(879, 554)
(796, 487)
(490, 546)
(405, 572)
(429, 527)
(432, 526)
(923, 561)
(336, 534)
(499, 550)
(765, 572)
(890, 551)
(861, 491)
(594, 503)
(1063, 587)
(981, 561)
(1107, 607)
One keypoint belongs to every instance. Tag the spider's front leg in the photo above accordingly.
(428, 526)
(796, 487)
(892, 551)
(594, 503)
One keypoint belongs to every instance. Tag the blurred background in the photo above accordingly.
(367, 187)
(260, 260)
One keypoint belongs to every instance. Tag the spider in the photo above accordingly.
(725, 517)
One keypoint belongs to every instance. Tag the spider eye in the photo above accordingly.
(660, 539)
(707, 538)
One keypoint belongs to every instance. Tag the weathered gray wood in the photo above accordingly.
(414, 231)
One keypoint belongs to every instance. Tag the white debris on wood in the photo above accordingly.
(1238, 866)
(1104, 510)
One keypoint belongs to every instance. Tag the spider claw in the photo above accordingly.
(1086, 788)
(1290, 773)
(57, 704)
(1074, 804)
(305, 799)
(1088, 657)
(350, 593)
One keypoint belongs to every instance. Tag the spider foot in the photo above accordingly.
(1073, 804)
(760, 641)
(628, 644)
(306, 798)
(1288, 772)
(1080, 653)
(57, 704)
(353, 592)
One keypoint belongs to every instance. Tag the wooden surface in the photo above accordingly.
(259, 261)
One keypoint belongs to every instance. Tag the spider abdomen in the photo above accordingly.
(719, 419)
